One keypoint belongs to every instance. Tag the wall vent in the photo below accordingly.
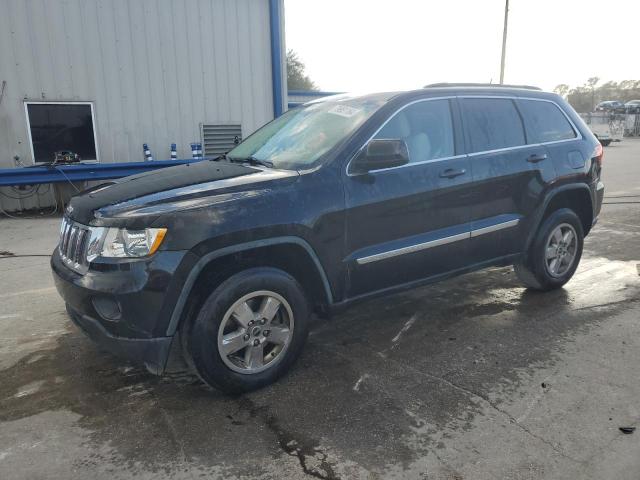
(219, 138)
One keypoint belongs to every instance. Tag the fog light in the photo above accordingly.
(107, 308)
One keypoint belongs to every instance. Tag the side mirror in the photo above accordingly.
(383, 153)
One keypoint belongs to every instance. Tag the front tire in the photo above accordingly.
(554, 254)
(249, 331)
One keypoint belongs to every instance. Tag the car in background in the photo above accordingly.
(604, 137)
(632, 106)
(613, 106)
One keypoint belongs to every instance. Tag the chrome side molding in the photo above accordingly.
(436, 243)
(494, 228)
(412, 248)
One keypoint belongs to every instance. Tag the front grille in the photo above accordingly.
(74, 239)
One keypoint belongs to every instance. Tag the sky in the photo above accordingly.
(379, 45)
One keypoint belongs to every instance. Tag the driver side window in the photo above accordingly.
(427, 129)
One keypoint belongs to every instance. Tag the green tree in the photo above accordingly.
(297, 79)
(562, 89)
(584, 97)
(592, 82)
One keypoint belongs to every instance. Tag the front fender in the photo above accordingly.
(209, 257)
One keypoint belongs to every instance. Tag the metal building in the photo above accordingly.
(300, 97)
(109, 75)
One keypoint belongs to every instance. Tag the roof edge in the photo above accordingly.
(483, 85)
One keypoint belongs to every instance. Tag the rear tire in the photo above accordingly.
(554, 254)
(249, 331)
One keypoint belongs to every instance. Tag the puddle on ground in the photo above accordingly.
(598, 281)
(467, 335)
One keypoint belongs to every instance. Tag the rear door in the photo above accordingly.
(548, 125)
(509, 175)
(407, 223)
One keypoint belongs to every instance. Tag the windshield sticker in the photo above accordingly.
(344, 111)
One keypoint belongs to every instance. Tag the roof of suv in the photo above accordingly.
(481, 85)
(477, 89)
(450, 88)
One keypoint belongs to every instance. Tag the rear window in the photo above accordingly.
(492, 123)
(547, 122)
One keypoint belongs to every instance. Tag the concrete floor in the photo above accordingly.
(473, 378)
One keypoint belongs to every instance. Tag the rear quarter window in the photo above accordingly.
(546, 121)
(492, 123)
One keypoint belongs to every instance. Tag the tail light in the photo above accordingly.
(598, 153)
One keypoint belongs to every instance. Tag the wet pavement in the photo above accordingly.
(472, 378)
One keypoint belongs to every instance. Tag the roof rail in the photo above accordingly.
(496, 85)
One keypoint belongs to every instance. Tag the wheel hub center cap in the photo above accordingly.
(256, 331)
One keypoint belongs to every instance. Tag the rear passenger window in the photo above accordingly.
(492, 123)
(547, 122)
(426, 127)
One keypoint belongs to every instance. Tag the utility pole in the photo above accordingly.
(504, 40)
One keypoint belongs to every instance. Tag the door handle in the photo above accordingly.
(452, 173)
(537, 157)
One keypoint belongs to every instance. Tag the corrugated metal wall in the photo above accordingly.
(155, 70)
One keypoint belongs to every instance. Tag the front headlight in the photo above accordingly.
(123, 243)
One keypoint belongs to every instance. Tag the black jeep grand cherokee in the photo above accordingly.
(333, 202)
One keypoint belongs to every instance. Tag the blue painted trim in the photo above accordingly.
(276, 56)
(81, 172)
(312, 93)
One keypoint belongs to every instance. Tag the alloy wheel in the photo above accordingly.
(561, 249)
(255, 332)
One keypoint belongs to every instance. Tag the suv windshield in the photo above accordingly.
(301, 136)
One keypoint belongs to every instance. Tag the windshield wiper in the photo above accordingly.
(251, 161)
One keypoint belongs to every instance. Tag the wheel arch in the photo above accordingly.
(275, 252)
(576, 196)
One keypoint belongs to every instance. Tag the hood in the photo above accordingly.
(152, 193)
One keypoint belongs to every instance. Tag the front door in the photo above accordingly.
(407, 223)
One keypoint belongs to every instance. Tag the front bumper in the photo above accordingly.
(124, 306)
(150, 352)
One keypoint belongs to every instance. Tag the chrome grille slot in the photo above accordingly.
(71, 251)
(73, 245)
(81, 246)
(65, 238)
